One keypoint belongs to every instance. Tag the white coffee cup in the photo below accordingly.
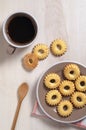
(19, 30)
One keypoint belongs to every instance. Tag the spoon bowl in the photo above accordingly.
(22, 91)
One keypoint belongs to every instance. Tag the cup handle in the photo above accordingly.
(11, 49)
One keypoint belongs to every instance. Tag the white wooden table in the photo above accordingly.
(12, 73)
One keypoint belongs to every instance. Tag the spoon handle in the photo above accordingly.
(16, 116)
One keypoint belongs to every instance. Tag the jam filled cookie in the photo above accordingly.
(71, 71)
(41, 51)
(53, 97)
(80, 83)
(30, 61)
(64, 108)
(66, 88)
(78, 99)
(58, 47)
(52, 80)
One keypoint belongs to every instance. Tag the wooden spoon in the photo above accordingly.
(22, 91)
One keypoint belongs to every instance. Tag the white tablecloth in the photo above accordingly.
(12, 74)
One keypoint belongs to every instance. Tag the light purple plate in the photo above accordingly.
(77, 114)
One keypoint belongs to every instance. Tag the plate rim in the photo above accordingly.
(49, 116)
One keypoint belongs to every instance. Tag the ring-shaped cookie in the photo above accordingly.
(80, 83)
(41, 51)
(66, 88)
(30, 61)
(64, 108)
(52, 80)
(58, 47)
(71, 71)
(78, 99)
(53, 97)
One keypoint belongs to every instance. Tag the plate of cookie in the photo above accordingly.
(61, 92)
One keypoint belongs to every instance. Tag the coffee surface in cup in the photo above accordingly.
(21, 29)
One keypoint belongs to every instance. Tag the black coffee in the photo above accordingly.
(21, 29)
